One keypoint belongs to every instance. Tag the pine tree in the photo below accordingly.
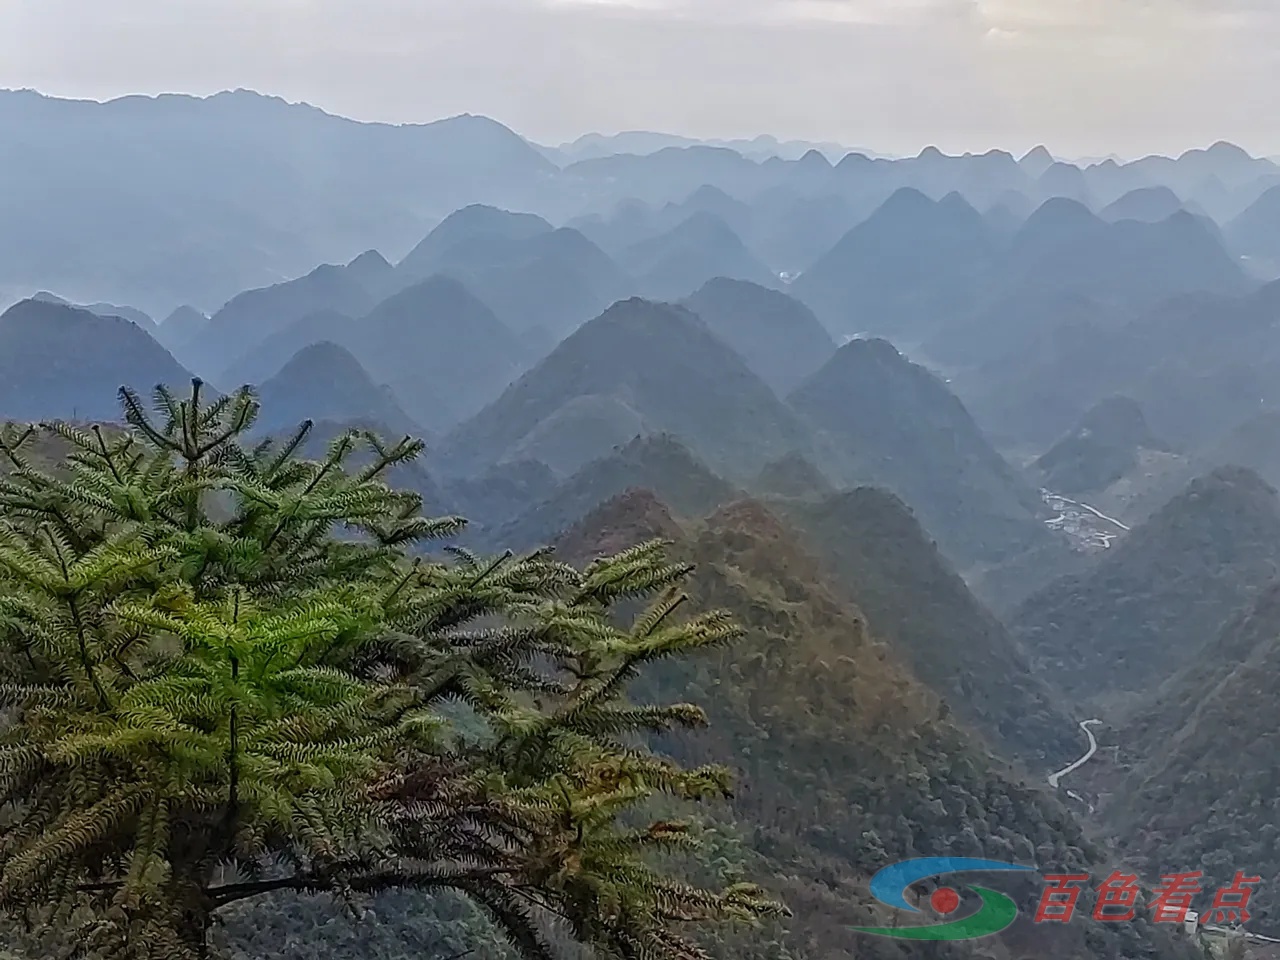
(229, 671)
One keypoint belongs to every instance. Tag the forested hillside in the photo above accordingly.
(626, 548)
(1149, 607)
(845, 761)
(1202, 787)
(878, 555)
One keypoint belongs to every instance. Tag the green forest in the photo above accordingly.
(232, 674)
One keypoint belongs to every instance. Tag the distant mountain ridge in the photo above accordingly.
(440, 349)
(778, 336)
(792, 476)
(254, 315)
(63, 362)
(643, 142)
(132, 314)
(939, 271)
(535, 277)
(1102, 449)
(160, 162)
(660, 464)
(1254, 231)
(1199, 364)
(1148, 204)
(1065, 246)
(467, 229)
(891, 423)
(702, 247)
(325, 382)
(899, 267)
(640, 367)
(265, 359)
(178, 157)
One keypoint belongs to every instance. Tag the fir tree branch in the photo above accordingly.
(360, 883)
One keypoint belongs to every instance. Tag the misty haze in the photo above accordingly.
(639, 480)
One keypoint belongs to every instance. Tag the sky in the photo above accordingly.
(1085, 77)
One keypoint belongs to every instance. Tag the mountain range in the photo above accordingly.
(440, 349)
(911, 259)
(325, 189)
(658, 463)
(880, 404)
(320, 188)
(641, 142)
(253, 316)
(1199, 363)
(697, 249)
(325, 382)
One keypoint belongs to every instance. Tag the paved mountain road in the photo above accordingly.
(1072, 767)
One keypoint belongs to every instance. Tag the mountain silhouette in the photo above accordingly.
(658, 463)
(180, 328)
(440, 349)
(778, 336)
(229, 192)
(913, 257)
(792, 476)
(251, 317)
(892, 423)
(62, 362)
(1255, 230)
(325, 382)
(647, 367)
(1148, 204)
(702, 247)
(264, 360)
(551, 283)
(1063, 246)
(476, 232)
(1103, 448)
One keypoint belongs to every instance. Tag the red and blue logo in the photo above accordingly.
(996, 913)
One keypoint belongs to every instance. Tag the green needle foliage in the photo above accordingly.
(228, 671)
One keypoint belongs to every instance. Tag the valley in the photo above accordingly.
(420, 541)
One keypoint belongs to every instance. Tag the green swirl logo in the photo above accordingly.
(890, 886)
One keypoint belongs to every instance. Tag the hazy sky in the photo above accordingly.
(1087, 77)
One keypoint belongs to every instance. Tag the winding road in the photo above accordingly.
(1094, 510)
(1072, 767)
